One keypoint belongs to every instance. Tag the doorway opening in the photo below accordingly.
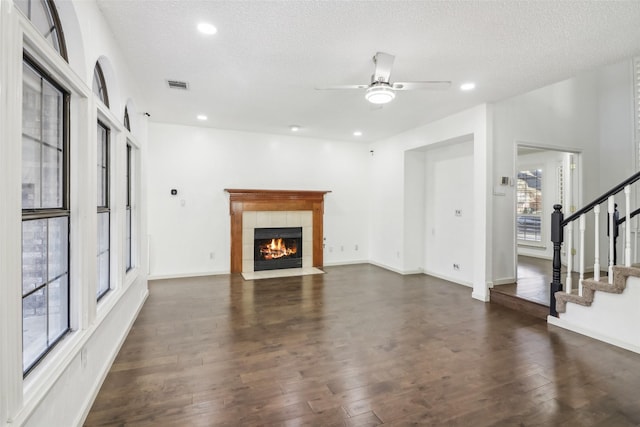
(544, 177)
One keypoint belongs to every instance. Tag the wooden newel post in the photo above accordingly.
(557, 237)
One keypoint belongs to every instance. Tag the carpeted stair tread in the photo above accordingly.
(590, 286)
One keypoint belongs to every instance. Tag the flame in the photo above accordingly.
(276, 249)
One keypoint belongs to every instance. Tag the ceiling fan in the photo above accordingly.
(381, 90)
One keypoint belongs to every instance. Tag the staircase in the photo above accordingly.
(607, 307)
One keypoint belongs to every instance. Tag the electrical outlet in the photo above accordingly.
(212, 255)
(342, 248)
(356, 247)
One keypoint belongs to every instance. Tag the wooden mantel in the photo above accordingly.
(241, 200)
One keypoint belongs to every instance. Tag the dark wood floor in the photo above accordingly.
(357, 346)
(534, 278)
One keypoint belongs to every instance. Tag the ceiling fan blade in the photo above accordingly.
(432, 85)
(383, 62)
(340, 87)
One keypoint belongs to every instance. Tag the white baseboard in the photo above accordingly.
(504, 281)
(91, 397)
(448, 279)
(337, 263)
(479, 297)
(395, 270)
(555, 321)
(185, 275)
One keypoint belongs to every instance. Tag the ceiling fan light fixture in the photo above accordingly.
(379, 94)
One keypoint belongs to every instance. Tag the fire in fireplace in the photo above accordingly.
(277, 248)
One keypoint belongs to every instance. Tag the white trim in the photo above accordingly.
(504, 281)
(449, 279)
(91, 397)
(45, 375)
(393, 269)
(480, 297)
(555, 321)
(353, 262)
(10, 214)
(186, 275)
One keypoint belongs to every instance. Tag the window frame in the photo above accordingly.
(52, 13)
(33, 214)
(125, 120)
(106, 208)
(129, 215)
(98, 76)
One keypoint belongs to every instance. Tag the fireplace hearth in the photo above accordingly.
(277, 248)
(250, 208)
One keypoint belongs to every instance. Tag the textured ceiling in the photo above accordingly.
(258, 73)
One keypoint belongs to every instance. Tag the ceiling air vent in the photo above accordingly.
(175, 84)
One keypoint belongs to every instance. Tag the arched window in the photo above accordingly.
(126, 119)
(99, 85)
(44, 16)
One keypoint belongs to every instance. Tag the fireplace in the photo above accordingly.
(277, 248)
(250, 209)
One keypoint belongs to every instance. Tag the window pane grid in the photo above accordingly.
(529, 205)
(43, 15)
(103, 282)
(129, 261)
(45, 215)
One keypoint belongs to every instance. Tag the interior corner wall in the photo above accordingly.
(588, 113)
(449, 212)
(414, 207)
(391, 184)
(190, 232)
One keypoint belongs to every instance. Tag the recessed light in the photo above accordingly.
(206, 28)
(468, 86)
(294, 128)
(201, 117)
(357, 133)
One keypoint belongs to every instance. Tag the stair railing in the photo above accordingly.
(633, 230)
(559, 224)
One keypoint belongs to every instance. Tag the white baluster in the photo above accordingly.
(627, 227)
(596, 263)
(610, 210)
(569, 256)
(635, 240)
(582, 228)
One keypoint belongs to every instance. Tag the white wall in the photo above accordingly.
(569, 115)
(393, 179)
(60, 389)
(201, 162)
(449, 187)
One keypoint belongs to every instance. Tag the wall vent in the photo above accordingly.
(176, 84)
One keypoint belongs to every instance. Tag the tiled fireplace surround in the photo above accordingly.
(275, 208)
(253, 219)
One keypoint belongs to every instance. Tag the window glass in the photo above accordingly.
(99, 85)
(44, 16)
(129, 261)
(127, 125)
(42, 147)
(45, 216)
(529, 206)
(104, 244)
